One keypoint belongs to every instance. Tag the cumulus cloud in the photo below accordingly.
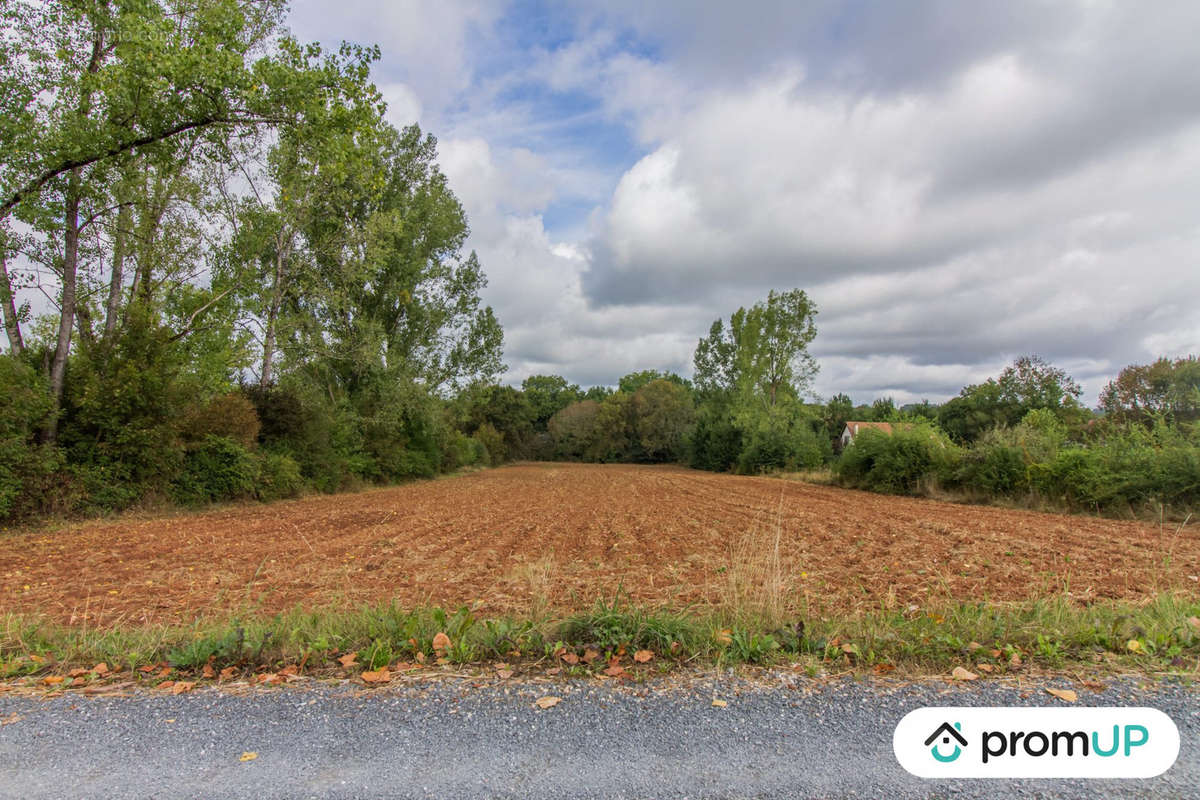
(955, 184)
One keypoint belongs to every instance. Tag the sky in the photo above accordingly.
(953, 184)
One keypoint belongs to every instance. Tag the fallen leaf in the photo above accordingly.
(380, 676)
(504, 674)
(1134, 646)
(167, 685)
(10, 719)
(52, 680)
(227, 673)
(182, 687)
(1095, 686)
(570, 658)
(249, 755)
(77, 673)
(590, 655)
(208, 671)
(100, 669)
(1067, 695)
(881, 668)
(554, 670)
(719, 703)
(994, 653)
(963, 674)
(642, 656)
(420, 658)
(1015, 661)
(1195, 623)
(614, 669)
(984, 667)
(348, 660)
(441, 643)
(441, 662)
(549, 701)
(973, 646)
(723, 636)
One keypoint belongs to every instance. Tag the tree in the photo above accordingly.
(1165, 388)
(1031, 382)
(1028, 383)
(763, 353)
(636, 380)
(663, 417)
(549, 394)
(574, 429)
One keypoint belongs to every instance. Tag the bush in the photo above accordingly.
(278, 477)
(994, 470)
(491, 443)
(24, 409)
(898, 463)
(229, 415)
(215, 469)
(776, 448)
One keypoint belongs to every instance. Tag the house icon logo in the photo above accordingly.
(945, 732)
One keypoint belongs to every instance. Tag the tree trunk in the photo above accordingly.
(66, 322)
(12, 324)
(282, 250)
(120, 246)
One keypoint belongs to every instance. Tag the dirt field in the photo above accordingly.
(567, 534)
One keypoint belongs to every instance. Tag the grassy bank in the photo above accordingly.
(1161, 636)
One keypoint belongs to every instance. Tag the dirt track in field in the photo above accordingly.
(568, 534)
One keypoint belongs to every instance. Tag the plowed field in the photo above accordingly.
(567, 534)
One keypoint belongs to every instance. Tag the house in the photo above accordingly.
(852, 429)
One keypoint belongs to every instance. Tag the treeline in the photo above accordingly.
(1025, 438)
(251, 285)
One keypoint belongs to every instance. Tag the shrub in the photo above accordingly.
(994, 470)
(231, 415)
(491, 443)
(24, 409)
(278, 477)
(898, 463)
(215, 469)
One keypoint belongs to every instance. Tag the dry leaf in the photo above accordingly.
(642, 656)
(984, 667)
(208, 672)
(554, 670)
(723, 636)
(504, 674)
(570, 658)
(380, 676)
(549, 701)
(719, 703)
(881, 668)
(963, 674)
(100, 669)
(1015, 661)
(441, 643)
(249, 755)
(52, 680)
(590, 655)
(1095, 686)
(1067, 695)
(1195, 623)
(994, 653)
(10, 719)
(181, 687)
(973, 646)
(1134, 646)
(227, 673)
(167, 685)
(420, 659)
(614, 669)
(348, 660)
(77, 673)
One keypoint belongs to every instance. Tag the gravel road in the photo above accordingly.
(456, 740)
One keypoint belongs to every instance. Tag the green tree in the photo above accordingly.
(763, 352)
(663, 418)
(549, 394)
(636, 380)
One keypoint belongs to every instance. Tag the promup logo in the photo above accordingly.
(1036, 742)
(946, 733)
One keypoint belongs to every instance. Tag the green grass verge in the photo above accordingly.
(1161, 636)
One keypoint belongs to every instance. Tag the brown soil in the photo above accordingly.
(565, 535)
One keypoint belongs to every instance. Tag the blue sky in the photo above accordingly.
(955, 184)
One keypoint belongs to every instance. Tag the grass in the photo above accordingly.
(1162, 636)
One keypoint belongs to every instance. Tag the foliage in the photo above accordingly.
(784, 437)
(215, 469)
(1166, 389)
(899, 462)
(547, 395)
(663, 415)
